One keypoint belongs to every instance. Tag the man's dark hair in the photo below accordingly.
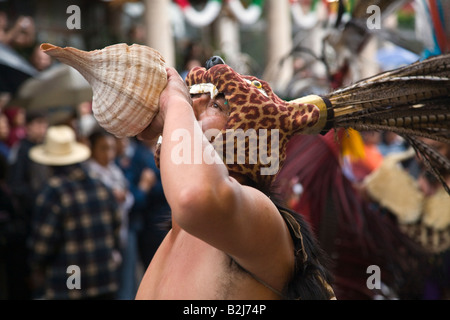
(311, 279)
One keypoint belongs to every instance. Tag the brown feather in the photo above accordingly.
(435, 162)
(412, 101)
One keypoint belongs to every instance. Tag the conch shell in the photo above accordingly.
(126, 82)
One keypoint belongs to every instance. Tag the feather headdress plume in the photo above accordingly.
(412, 101)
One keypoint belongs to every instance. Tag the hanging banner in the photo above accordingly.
(430, 26)
(200, 18)
(246, 15)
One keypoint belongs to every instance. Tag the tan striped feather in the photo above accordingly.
(412, 101)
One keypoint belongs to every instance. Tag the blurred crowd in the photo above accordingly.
(117, 213)
(32, 233)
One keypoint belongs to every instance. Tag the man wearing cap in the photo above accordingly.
(75, 225)
(229, 239)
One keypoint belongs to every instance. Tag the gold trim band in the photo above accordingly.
(324, 110)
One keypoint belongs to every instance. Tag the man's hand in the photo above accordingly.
(175, 89)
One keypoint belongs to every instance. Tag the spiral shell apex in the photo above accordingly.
(126, 82)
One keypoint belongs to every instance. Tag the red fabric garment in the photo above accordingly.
(354, 233)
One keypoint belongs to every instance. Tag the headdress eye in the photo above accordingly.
(257, 84)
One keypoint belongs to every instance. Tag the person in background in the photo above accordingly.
(75, 224)
(158, 213)
(132, 157)
(25, 179)
(4, 133)
(406, 190)
(14, 274)
(22, 34)
(150, 215)
(5, 98)
(25, 176)
(435, 223)
(86, 124)
(3, 26)
(17, 120)
(102, 166)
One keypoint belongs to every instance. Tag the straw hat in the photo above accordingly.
(60, 148)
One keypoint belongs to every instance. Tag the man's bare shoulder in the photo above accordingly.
(186, 267)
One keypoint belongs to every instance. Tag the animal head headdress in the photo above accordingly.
(253, 141)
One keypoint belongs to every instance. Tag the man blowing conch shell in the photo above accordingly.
(228, 240)
(224, 140)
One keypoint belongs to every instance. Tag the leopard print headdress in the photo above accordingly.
(253, 142)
